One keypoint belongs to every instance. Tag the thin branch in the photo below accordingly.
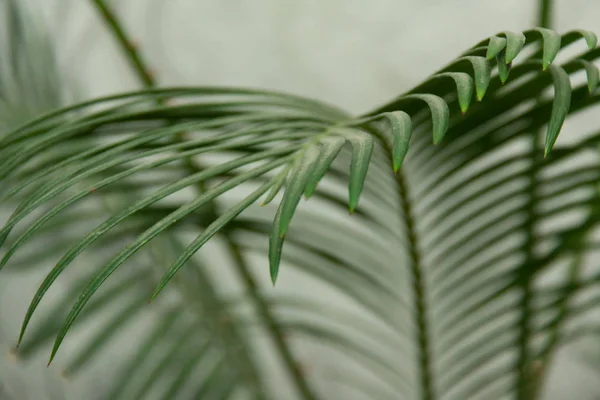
(425, 348)
(147, 78)
(127, 46)
(545, 13)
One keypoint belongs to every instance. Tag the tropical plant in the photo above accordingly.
(442, 268)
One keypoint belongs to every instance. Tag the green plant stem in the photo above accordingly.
(524, 380)
(546, 354)
(530, 373)
(545, 13)
(526, 377)
(129, 47)
(424, 349)
(147, 79)
(555, 335)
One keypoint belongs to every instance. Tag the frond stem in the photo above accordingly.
(546, 354)
(526, 374)
(423, 332)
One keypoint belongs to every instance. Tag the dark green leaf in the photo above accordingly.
(439, 114)
(550, 44)
(401, 131)
(362, 149)
(560, 107)
(514, 44)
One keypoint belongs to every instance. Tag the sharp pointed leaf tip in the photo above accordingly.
(514, 45)
(362, 149)
(275, 245)
(352, 206)
(309, 190)
(21, 336)
(274, 271)
(482, 74)
(560, 105)
(504, 72)
(551, 41)
(400, 125)
(440, 113)
(464, 87)
(503, 68)
(156, 292)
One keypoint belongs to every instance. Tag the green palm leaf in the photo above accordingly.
(441, 259)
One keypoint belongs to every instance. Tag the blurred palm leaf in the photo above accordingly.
(30, 84)
(443, 261)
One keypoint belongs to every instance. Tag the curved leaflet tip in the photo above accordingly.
(560, 106)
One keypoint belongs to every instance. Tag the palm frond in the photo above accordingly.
(450, 237)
